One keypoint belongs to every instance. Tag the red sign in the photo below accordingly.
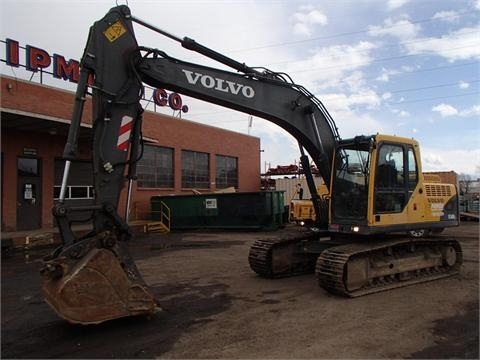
(37, 58)
(174, 100)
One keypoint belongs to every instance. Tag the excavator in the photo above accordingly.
(377, 193)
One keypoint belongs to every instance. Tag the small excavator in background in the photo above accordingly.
(376, 189)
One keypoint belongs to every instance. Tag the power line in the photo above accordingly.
(332, 99)
(378, 60)
(434, 98)
(432, 87)
(328, 37)
(356, 96)
(386, 47)
(456, 15)
(436, 68)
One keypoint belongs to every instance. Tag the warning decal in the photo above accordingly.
(115, 31)
(124, 133)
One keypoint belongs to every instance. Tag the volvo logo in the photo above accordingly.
(218, 84)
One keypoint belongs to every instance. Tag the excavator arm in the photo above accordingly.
(93, 278)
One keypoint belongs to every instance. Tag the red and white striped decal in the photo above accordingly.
(124, 133)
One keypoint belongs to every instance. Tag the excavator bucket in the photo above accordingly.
(89, 285)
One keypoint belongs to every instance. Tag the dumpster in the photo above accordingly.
(249, 210)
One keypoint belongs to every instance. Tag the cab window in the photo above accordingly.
(412, 170)
(390, 187)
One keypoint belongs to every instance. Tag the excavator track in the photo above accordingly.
(363, 268)
(278, 256)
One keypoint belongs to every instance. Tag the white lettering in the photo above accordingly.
(190, 78)
(233, 90)
(208, 81)
(218, 84)
(220, 87)
(248, 92)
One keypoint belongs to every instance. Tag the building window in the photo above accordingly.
(155, 168)
(227, 171)
(74, 192)
(80, 180)
(195, 170)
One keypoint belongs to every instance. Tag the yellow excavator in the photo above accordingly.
(376, 191)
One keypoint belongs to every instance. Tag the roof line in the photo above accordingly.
(42, 116)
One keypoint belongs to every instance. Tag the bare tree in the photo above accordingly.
(465, 181)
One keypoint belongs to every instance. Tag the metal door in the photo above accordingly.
(29, 204)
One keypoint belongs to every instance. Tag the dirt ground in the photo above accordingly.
(214, 306)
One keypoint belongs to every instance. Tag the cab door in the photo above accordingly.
(391, 185)
(416, 204)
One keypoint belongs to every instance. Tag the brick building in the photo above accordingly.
(179, 156)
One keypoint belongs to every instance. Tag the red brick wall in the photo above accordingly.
(183, 134)
(168, 131)
(38, 99)
(48, 148)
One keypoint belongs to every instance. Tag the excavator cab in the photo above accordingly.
(378, 187)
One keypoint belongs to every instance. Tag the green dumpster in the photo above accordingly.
(249, 210)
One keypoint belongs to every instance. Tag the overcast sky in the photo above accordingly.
(403, 67)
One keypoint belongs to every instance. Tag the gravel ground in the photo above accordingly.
(214, 306)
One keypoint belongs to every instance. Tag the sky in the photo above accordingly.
(404, 67)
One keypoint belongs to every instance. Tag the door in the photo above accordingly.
(391, 188)
(29, 204)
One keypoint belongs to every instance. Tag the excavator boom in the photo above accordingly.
(286, 104)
